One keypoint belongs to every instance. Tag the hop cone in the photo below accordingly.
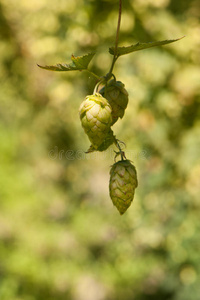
(109, 140)
(96, 118)
(123, 182)
(117, 96)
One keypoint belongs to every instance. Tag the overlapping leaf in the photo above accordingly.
(78, 63)
(139, 46)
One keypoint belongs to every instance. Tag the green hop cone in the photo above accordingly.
(108, 141)
(96, 118)
(123, 182)
(117, 96)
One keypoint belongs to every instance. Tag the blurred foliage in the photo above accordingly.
(60, 236)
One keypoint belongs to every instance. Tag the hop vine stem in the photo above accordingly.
(117, 39)
(115, 56)
(120, 152)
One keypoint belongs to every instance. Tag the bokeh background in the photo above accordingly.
(60, 236)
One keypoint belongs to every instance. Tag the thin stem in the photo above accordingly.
(120, 152)
(97, 85)
(118, 27)
(115, 56)
(112, 66)
(93, 74)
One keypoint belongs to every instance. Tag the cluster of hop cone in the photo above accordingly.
(98, 113)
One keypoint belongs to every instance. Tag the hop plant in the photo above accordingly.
(96, 118)
(123, 182)
(117, 97)
(100, 111)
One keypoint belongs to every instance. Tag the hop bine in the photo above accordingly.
(123, 182)
(96, 119)
(117, 97)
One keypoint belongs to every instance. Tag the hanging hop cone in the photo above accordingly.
(96, 118)
(109, 140)
(123, 182)
(117, 96)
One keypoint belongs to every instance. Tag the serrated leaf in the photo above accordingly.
(82, 62)
(78, 63)
(140, 46)
(60, 67)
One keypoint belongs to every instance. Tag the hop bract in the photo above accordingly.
(117, 97)
(123, 182)
(108, 141)
(96, 118)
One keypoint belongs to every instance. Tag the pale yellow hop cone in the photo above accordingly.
(117, 97)
(123, 182)
(96, 118)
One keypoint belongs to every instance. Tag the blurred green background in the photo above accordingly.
(60, 236)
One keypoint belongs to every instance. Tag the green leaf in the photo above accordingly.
(78, 63)
(140, 46)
